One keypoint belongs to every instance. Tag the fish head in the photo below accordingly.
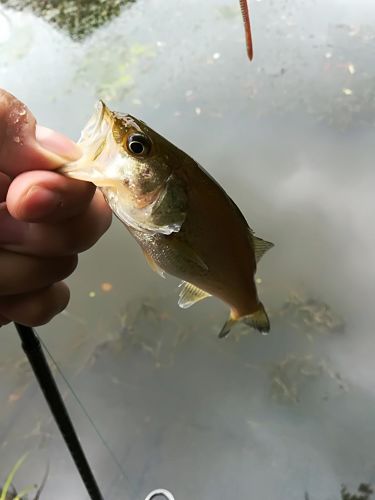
(129, 162)
(121, 151)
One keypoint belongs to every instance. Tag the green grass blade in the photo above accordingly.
(24, 492)
(11, 475)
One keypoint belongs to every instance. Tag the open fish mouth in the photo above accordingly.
(95, 137)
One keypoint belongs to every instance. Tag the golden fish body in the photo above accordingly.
(184, 221)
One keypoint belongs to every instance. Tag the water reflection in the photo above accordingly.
(290, 138)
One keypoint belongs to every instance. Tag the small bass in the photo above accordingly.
(185, 223)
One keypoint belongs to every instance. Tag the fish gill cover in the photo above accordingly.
(79, 18)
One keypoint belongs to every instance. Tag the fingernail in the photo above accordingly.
(57, 143)
(12, 231)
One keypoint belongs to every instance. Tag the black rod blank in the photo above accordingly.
(35, 354)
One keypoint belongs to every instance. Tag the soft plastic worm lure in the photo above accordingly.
(246, 22)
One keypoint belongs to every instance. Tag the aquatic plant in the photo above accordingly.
(8, 492)
(364, 492)
(79, 18)
(112, 77)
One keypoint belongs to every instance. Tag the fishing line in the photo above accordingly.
(33, 347)
(155, 494)
(34, 352)
(83, 408)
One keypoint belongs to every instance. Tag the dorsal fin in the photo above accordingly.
(260, 247)
(190, 294)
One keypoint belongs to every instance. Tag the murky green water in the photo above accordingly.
(290, 137)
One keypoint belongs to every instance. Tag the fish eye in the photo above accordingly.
(138, 144)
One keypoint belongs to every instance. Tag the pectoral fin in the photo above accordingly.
(190, 294)
(184, 256)
(171, 208)
(260, 246)
(258, 320)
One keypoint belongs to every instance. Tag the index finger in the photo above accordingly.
(19, 148)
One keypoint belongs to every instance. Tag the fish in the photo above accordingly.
(184, 221)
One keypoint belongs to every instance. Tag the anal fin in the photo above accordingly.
(154, 266)
(228, 325)
(190, 294)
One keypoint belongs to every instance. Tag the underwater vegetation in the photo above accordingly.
(364, 492)
(8, 491)
(114, 77)
(311, 314)
(79, 18)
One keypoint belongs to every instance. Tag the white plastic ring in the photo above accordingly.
(160, 493)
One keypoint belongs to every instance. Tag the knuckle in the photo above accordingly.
(45, 307)
(66, 266)
(36, 320)
(6, 100)
(40, 313)
(107, 221)
(83, 239)
(70, 239)
(81, 233)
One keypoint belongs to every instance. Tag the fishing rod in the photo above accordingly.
(33, 350)
(32, 347)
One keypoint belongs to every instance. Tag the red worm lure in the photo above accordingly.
(246, 22)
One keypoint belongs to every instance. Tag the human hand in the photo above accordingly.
(46, 219)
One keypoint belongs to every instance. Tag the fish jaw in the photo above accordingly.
(101, 162)
(87, 170)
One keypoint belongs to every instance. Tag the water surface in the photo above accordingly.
(290, 137)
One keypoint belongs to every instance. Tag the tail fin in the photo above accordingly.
(258, 320)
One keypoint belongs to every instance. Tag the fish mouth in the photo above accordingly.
(97, 127)
(102, 112)
(94, 137)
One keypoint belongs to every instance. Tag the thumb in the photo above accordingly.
(26, 146)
